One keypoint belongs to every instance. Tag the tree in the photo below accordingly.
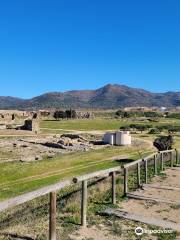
(120, 113)
(164, 143)
(126, 115)
(125, 128)
(152, 114)
(59, 114)
(71, 113)
(13, 116)
(133, 126)
(62, 114)
(56, 115)
(35, 115)
(140, 127)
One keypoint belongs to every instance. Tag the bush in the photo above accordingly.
(65, 114)
(71, 113)
(125, 128)
(169, 128)
(173, 115)
(140, 127)
(122, 114)
(163, 143)
(154, 131)
(150, 114)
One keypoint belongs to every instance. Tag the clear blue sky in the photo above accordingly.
(58, 45)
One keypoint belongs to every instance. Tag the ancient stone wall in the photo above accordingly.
(31, 125)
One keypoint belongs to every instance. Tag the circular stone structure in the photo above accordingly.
(119, 138)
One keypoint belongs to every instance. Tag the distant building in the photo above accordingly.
(163, 109)
(117, 138)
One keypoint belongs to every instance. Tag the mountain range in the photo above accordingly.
(107, 97)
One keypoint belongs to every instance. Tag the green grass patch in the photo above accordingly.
(17, 178)
(99, 124)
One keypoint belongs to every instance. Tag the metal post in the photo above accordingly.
(125, 181)
(84, 203)
(52, 216)
(138, 175)
(113, 174)
(155, 164)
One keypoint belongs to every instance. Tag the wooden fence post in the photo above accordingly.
(84, 203)
(138, 174)
(177, 156)
(171, 158)
(52, 216)
(145, 171)
(155, 164)
(125, 181)
(113, 174)
(162, 161)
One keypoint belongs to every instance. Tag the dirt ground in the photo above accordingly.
(162, 211)
(26, 146)
(38, 147)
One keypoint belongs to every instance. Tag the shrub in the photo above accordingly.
(154, 131)
(163, 143)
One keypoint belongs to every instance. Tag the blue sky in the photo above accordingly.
(59, 45)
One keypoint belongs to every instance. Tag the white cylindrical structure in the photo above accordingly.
(112, 139)
(109, 138)
(123, 138)
(117, 138)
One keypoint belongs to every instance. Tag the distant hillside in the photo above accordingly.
(109, 96)
(11, 102)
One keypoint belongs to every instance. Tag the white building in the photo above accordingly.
(117, 138)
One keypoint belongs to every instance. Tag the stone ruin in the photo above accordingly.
(30, 125)
(84, 115)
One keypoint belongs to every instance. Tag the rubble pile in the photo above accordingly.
(36, 148)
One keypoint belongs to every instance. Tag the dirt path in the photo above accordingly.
(147, 209)
(163, 211)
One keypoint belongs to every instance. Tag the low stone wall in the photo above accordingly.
(2, 126)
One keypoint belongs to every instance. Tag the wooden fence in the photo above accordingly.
(140, 165)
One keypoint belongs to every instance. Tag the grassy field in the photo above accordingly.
(18, 178)
(99, 124)
(83, 125)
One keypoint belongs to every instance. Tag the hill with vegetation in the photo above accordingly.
(109, 96)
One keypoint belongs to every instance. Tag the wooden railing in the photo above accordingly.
(144, 162)
(52, 189)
